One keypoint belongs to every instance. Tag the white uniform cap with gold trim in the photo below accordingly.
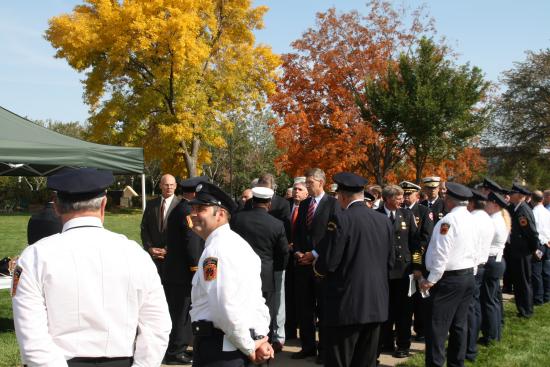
(432, 181)
(333, 188)
(262, 192)
(409, 187)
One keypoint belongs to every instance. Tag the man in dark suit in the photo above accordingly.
(524, 246)
(425, 224)
(405, 243)
(311, 225)
(267, 237)
(354, 260)
(43, 224)
(183, 251)
(153, 222)
(434, 202)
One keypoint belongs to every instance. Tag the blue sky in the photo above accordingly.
(491, 34)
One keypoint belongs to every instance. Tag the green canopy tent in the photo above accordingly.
(28, 149)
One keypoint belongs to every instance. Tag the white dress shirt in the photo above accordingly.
(500, 237)
(233, 299)
(542, 222)
(89, 292)
(485, 234)
(454, 250)
(167, 203)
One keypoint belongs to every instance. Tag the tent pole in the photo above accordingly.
(143, 195)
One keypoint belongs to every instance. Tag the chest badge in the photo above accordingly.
(210, 268)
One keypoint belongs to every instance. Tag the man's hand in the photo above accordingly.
(425, 285)
(262, 351)
(306, 259)
(291, 247)
(157, 253)
(298, 255)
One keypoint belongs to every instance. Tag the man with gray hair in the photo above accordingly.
(450, 261)
(88, 296)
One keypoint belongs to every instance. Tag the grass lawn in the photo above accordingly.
(12, 241)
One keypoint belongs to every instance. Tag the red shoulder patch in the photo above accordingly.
(523, 221)
(210, 268)
(444, 229)
(15, 280)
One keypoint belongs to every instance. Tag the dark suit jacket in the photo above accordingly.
(355, 258)
(405, 242)
(266, 235)
(151, 233)
(524, 238)
(183, 248)
(43, 224)
(425, 226)
(307, 238)
(438, 208)
(280, 209)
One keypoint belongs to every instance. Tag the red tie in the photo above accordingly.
(162, 213)
(311, 211)
(294, 216)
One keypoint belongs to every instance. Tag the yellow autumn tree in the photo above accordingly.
(166, 73)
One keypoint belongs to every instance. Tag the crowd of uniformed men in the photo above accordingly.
(350, 272)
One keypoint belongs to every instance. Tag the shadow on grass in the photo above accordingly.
(6, 325)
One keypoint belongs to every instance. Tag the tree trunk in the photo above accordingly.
(191, 156)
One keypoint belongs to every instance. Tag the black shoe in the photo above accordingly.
(401, 353)
(522, 316)
(420, 338)
(320, 360)
(303, 354)
(178, 360)
(387, 349)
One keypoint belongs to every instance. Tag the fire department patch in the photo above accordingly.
(523, 221)
(444, 229)
(15, 280)
(210, 268)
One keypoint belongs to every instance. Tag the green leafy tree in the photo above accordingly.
(431, 108)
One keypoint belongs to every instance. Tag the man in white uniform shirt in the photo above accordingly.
(230, 318)
(490, 294)
(88, 296)
(450, 260)
(485, 231)
(541, 269)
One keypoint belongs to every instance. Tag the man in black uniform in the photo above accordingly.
(434, 202)
(183, 251)
(524, 243)
(44, 223)
(311, 225)
(425, 224)
(266, 235)
(400, 307)
(153, 222)
(354, 260)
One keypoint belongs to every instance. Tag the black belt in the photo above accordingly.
(449, 273)
(206, 328)
(99, 359)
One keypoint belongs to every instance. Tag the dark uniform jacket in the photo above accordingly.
(524, 238)
(355, 258)
(183, 248)
(280, 209)
(437, 208)
(267, 237)
(425, 226)
(43, 224)
(306, 238)
(405, 243)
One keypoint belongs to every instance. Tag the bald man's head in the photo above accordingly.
(167, 185)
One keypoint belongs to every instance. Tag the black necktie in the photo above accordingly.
(392, 218)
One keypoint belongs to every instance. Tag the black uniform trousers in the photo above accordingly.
(351, 345)
(100, 362)
(520, 270)
(474, 316)
(270, 303)
(448, 314)
(308, 292)
(541, 281)
(291, 323)
(400, 315)
(179, 304)
(491, 300)
(207, 352)
(419, 312)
